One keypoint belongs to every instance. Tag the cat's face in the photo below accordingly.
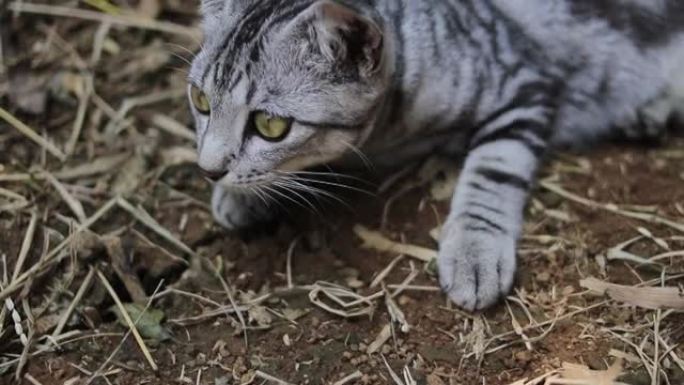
(283, 85)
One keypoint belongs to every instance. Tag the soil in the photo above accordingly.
(288, 337)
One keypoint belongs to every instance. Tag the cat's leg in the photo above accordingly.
(477, 256)
(236, 210)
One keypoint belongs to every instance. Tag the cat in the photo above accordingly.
(281, 86)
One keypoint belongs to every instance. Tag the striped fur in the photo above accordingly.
(504, 80)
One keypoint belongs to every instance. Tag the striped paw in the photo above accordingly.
(476, 267)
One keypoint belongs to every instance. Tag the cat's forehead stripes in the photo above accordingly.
(248, 36)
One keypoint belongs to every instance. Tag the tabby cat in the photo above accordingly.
(281, 86)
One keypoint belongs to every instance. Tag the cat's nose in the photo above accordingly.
(214, 175)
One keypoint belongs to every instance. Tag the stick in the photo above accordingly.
(651, 218)
(129, 321)
(352, 377)
(125, 21)
(31, 134)
(269, 377)
(16, 284)
(26, 245)
(77, 298)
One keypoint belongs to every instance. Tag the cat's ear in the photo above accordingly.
(345, 35)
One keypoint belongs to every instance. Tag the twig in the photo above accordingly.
(77, 299)
(125, 337)
(268, 377)
(26, 245)
(352, 377)
(386, 271)
(122, 20)
(31, 134)
(25, 353)
(49, 258)
(233, 303)
(129, 321)
(651, 218)
(140, 214)
(73, 203)
(288, 266)
(32, 380)
(173, 127)
(84, 99)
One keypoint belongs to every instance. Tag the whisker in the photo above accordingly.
(340, 185)
(364, 158)
(254, 190)
(290, 189)
(182, 58)
(280, 193)
(330, 174)
(184, 71)
(316, 192)
(187, 50)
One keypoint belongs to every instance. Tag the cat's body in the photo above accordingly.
(504, 80)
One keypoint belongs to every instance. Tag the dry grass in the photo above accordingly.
(100, 204)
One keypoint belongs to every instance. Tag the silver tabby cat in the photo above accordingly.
(281, 86)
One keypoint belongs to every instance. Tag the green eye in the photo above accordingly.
(272, 128)
(200, 100)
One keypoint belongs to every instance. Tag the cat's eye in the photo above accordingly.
(200, 100)
(272, 128)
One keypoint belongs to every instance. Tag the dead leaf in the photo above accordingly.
(130, 176)
(653, 298)
(260, 315)
(295, 314)
(148, 321)
(582, 375)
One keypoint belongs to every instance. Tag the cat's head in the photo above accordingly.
(284, 85)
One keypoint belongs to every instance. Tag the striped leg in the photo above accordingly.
(477, 257)
(238, 210)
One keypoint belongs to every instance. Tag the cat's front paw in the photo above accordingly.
(476, 266)
(237, 210)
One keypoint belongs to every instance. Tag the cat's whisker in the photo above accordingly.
(291, 188)
(334, 184)
(300, 187)
(274, 189)
(193, 55)
(364, 158)
(269, 197)
(255, 190)
(317, 192)
(331, 174)
(182, 58)
(180, 70)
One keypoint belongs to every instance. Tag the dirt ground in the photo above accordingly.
(102, 209)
